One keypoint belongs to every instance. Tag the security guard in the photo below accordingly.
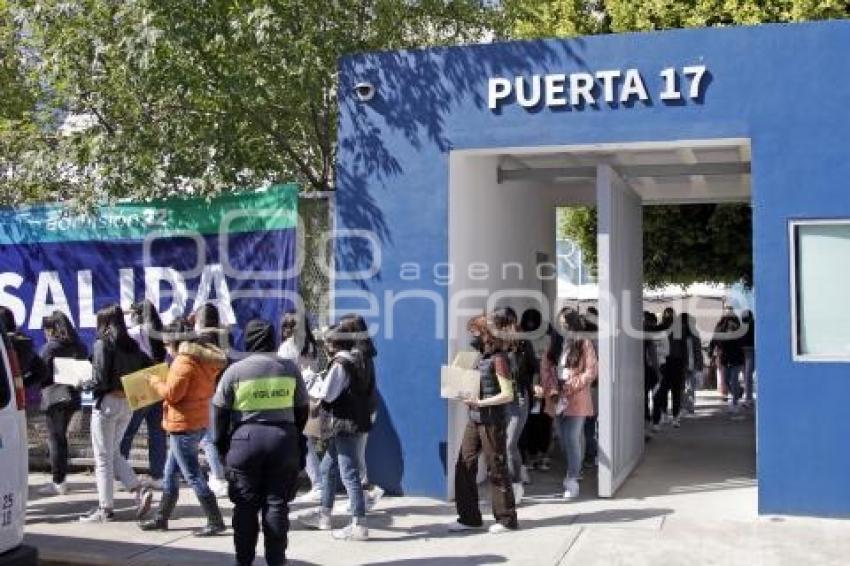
(260, 409)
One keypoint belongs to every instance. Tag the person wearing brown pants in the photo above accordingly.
(485, 432)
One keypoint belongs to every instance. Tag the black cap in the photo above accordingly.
(259, 336)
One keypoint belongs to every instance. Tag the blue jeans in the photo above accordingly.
(183, 459)
(517, 414)
(731, 375)
(157, 443)
(570, 431)
(213, 457)
(341, 459)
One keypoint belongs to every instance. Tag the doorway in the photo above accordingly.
(501, 221)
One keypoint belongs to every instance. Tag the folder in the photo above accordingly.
(137, 386)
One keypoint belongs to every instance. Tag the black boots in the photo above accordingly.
(215, 522)
(160, 520)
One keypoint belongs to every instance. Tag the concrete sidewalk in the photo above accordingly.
(691, 502)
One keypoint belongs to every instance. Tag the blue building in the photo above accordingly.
(451, 162)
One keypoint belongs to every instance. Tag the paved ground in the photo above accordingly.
(691, 502)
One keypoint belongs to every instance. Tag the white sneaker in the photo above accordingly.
(355, 530)
(656, 428)
(373, 497)
(319, 520)
(677, 422)
(458, 527)
(218, 487)
(98, 515)
(498, 529)
(571, 489)
(51, 489)
(524, 477)
(519, 491)
(312, 496)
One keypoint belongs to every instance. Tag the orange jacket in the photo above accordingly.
(189, 387)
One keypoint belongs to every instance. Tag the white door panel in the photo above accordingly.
(620, 255)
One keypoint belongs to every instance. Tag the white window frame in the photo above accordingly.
(792, 259)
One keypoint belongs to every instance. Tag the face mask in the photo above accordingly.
(477, 343)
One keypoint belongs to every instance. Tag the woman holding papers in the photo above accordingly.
(486, 431)
(59, 401)
(114, 354)
(146, 330)
(186, 393)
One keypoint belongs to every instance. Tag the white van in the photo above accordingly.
(13, 464)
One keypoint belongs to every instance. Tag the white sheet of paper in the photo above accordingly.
(68, 371)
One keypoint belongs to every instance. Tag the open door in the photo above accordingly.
(620, 255)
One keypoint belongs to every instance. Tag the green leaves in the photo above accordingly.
(186, 96)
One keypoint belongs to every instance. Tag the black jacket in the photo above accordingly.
(110, 362)
(350, 412)
(51, 350)
(32, 367)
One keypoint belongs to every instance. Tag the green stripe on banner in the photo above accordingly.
(265, 394)
(274, 208)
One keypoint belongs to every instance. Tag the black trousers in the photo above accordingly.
(262, 472)
(492, 440)
(672, 382)
(537, 435)
(58, 419)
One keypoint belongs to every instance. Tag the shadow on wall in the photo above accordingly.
(416, 91)
(416, 94)
(384, 448)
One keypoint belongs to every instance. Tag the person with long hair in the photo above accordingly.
(486, 432)
(146, 329)
(114, 354)
(651, 370)
(523, 366)
(59, 402)
(187, 392)
(537, 435)
(299, 345)
(694, 361)
(343, 392)
(206, 322)
(677, 337)
(23, 350)
(572, 368)
(365, 352)
(728, 355)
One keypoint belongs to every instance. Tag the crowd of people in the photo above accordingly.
(296, 403)
(675, 364)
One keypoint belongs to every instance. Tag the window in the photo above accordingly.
(821, 297)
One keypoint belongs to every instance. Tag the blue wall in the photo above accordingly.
(785, 87)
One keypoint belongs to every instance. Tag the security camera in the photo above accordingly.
(364, 91)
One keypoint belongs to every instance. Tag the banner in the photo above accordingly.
(237, 251)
